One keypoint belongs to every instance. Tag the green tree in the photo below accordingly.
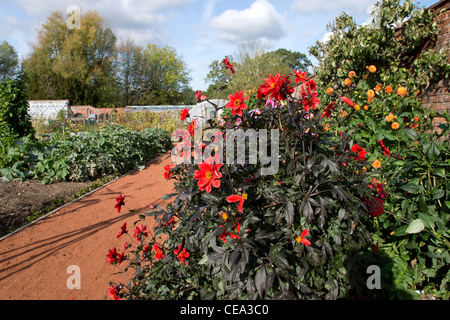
(74, 64)
(8, 61)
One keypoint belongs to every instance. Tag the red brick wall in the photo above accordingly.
(437, 96)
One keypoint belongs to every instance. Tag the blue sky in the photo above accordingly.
(200, 30)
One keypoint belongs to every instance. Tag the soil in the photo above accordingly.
(36, 262)
(23, 200)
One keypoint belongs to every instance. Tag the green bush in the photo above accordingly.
(14, 118)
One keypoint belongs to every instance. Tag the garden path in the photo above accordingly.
(34, 261)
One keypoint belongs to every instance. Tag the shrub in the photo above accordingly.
(291, 235)
(14, 118)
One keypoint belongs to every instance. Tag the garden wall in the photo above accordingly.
(437, 96)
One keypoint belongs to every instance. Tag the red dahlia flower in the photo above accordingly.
(123, 230)
(167, 173)
(360, 151)
(237, 103)
(199, 96)
(184, 114)
(310, 99)
(276, 87)
(300, 76)
(208, 176)
(374, 206)
(327, 112)
(114, 257)
(159, 254)
(140, 232)
(120, 202)
(301, 238)
(181, 254)
(228, 64)
(235, 198)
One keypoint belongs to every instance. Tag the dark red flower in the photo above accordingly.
(123, 230)
(329, 108)
(120, 202)
(140, 232)
(228, 64)
(114, 257)
(184, 114)
(374, 206)
(385, 149)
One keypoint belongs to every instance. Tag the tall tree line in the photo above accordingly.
(89, 66)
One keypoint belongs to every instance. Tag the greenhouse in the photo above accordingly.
(47, 109)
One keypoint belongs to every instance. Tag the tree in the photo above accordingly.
(164, 75)
(8, 61)
(74, 64)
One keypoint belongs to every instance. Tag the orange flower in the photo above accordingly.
(357, 107)
(351, 74)
(347, 81)
(388, 89)
(370, 93)
(401, 91)
(330, 90)
(343, 114)
(416, 119)
(378, 87)
(372, 68)
(366, 107)
(376, 164)
(395, 126)
(390, 117)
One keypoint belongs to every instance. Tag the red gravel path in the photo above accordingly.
(34, 261)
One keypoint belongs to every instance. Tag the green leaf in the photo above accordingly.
(415, 226)
(427, 220)
(411, 134)
(412, 188)
(438, 194)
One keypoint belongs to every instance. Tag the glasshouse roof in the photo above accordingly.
(47, 109)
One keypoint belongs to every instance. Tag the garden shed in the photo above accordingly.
(47, 109)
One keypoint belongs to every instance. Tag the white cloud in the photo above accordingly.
(305, 7)
(260, 21)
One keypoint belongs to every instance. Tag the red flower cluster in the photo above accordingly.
(208, 175)
(277, 87)
(120, 202)
(309, 94)
(228, 64)
(232, 235)
(360, 151)
(140, 232)
(167, 173)
(181, 254)
(114, 291)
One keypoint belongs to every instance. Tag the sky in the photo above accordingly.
(201, 31)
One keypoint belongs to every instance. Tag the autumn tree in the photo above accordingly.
(74, 64)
